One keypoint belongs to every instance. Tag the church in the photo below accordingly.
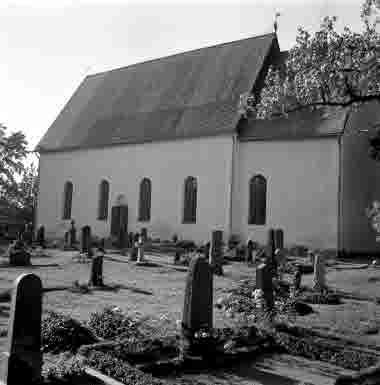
(165, 138)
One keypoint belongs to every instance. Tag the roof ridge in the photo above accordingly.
(180, 53)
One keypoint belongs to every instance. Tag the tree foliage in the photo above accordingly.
(327, 68)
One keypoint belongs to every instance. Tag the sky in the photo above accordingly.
(48, 47)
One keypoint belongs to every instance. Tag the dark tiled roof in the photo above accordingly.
(298, 125)
(191, 94)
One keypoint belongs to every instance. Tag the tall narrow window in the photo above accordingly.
(104, 190)
(145, 200)
(67, 200)
(190, 200)
(257, 200)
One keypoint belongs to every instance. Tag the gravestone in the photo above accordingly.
(21, 363)
(73, 235)
(130, 239)
(140, 250)
(119, 224)
(177, 257)
(198, 302)
(96, 277)
(319, 278)
(18, 254)
(279, 239)
(249, 252)
(264, 282)
(66, 239)
(134, 251)
(144, 234)
(206, 250)
(86, 239)
(216, 255)
(41, 236)
(270, 249)
(297, 278)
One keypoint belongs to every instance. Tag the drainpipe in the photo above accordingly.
(231, 182)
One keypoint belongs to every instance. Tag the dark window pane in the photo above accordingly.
(257, 200)
(67, 200)
(190, 201)
(103, 200)
(145, 199)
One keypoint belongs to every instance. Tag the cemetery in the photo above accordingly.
(173, 312)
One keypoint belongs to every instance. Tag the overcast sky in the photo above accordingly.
(48, 47)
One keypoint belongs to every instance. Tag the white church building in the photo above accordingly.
(165, 137)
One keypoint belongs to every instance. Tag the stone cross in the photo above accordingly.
(264, 282)
(216, 255)
(319, 279)
(198, 302)
(86, 239)
(21, 363)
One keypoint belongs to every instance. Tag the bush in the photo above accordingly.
(61, 333)
(119, 370)
(67, 370)
(110, 324)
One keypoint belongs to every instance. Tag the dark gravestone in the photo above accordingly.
(18, 255)
(86, 239)
(41, 236)
(144, 234)
(119, 225)
(66, 239)
(297, 278)
(22, 362)
(207, 250)
(72, 235)
(264, 282)
(130, 239)
(198, 303)
(249, 252)
(134, 249)
(270, 251)
(96, 277)
(216, 255)
(279, 239)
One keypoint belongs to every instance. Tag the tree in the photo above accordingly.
(326, 68)
(13, 152)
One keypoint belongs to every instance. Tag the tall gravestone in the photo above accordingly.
(86, 239)
(21, 363)
(140, 250)
(279, 239)
(270, 251)
(144, 234)
(216, 254)
(96, 277)
(264, 282)
(198, 302)
(40, 238)
(319, 278)
(119, 224)
(72, 235)
(249, 252)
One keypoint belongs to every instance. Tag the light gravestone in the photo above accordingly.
(319, 279)
(198, 302)
(216, 254)
(21, 363)
(140, 250)
(264, 282)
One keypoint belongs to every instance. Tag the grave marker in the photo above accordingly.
(198, 302)
(216, 255)
(279, 239)
(41, 236)
(264, 282)
(140, 250)
(96, 277)
(73, 235)
(86, 239)
(22, 362)
(319, 279)
(249, 252)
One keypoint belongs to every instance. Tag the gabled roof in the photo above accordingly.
(298, 125)
(191, 94)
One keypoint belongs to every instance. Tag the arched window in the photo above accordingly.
(190, 200)
(257, 200)
(67, 200)
(104, 190)
(145, 200)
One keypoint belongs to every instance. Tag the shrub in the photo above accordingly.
(119, 370)
(68, 369)
(110, 323)
(62, 333)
